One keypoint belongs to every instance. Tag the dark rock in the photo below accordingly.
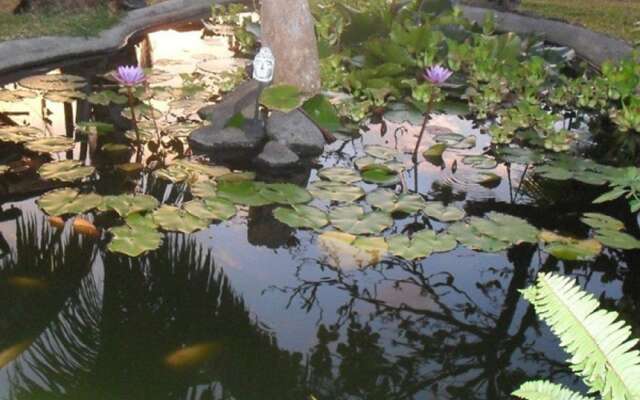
(297, 132)
(229, 142)
(277, 155)
(243, 98)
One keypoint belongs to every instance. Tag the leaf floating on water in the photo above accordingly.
(174, 219)
(134, 241)
(285, 193)
(353, 219)
(54, 144)
(435, 151)
(367, 161)
(601, 221)
(173, 174)
(192, 356)
(480, 162)
(488, 179)
(518, 155)
(212, 171)
(302, 217)
(381, 152)
(19, 134)
(386, 200)
(422, 244)
(67, 96)
(448, 139)
(380, 174)
(473, 239)
(468, 143)
(68, 201)
(283, 98)
(340, 175)
(247, 193)
(617, 240)
(59, 82)
(400, 113)
(204, 189)
(567, 248)
(126, 204)
(14, 96)
(437, 210)
(65, 171)
(211, 209)
(84, 227)
(237, 177)
(322, 112)
(341, 252)
(130, 168)
(506, 228)
(107, 97)
(333, 191)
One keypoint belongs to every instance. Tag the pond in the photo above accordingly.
(252, 308)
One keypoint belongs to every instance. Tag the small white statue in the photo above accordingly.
(264, 65)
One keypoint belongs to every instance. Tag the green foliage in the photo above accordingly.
(544, 390)
(599, 344)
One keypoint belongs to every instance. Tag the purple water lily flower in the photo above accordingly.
(130, 75)
(437, 74)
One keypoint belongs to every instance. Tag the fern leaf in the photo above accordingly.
(545, 390)
(601, 351)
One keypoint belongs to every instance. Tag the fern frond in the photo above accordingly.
(545, 390)
(601, 351)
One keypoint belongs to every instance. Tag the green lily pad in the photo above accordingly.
(387, 201)
(340, 175)
(237, 177)
(381, 152)
(68, 201)
(506, 228)
(248, 193)
(435, 151)
(175, 219)
(380, 174)
(601, 221)
(617, 240)
(301, 216)
(353, 219)
(480, 162)
(54, 144)
(66, 96)
(437, 210)
(342, 252)
(106, 97)
(15, 96)
(372, 244)
(127, 204)
(204, 189)
(213, 171)
(468, 142)
(333, 191)
(173, 173)
(488, 179)
(518, 155)
(19, 134)
(211, 209)
(367, 161)
(400, 113)
(422, 244)
(448, 139)
(571, 249)
(323, 113)
(473, 239)
(60, 82)
(141, 221)
(65, 171)
(283, 98)
(285, 193)
(134, 241)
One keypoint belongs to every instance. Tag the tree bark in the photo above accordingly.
(288, 29)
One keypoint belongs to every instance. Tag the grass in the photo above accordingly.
(613, 17)
(52, 22)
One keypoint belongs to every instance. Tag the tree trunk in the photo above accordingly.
(288, 29)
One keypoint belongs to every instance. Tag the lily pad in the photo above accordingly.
(301, 216)
(448, 139)
(67, 96)
(422, 244)
(401, 113)
(480, 162)
(127, 204)
(567, 248)
(213, 171)
(283, 98)
(211, 209)
(106, 97)
(505, 228)
(248, 193)
(342, 252)
(320, 109)
(617, 240)
(488, 179)
(141, 221)
(54, 144)
(437, 210)
(473, 239)
(68, 201)
(204, 189)
(380, 174)
(285, 193)
(60, 82)
(134, 242)
(381, 152)
(601, 221)
(353, 219)
(19, 134)
(237, 177)
(340, 174)
(435, 151)
(175, 219)
(468, 142)
(518, 155)
(173, 173)
(333, 191)
(65, 171)
(367, 161)
(14, 96)
(387, 201)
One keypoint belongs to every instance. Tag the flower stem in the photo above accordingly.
(427, 118)
(134, 120)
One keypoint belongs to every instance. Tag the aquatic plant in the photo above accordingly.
(599, 344)
(129, 77)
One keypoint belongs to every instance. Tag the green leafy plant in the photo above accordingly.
(600, 346)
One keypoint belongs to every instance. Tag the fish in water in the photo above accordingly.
(192, 356)
(27, 282)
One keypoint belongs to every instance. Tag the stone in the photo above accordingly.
(9, 6)
(227, 141)
(296, 131)
(288, 29)
(243, 98)
(277, 155)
